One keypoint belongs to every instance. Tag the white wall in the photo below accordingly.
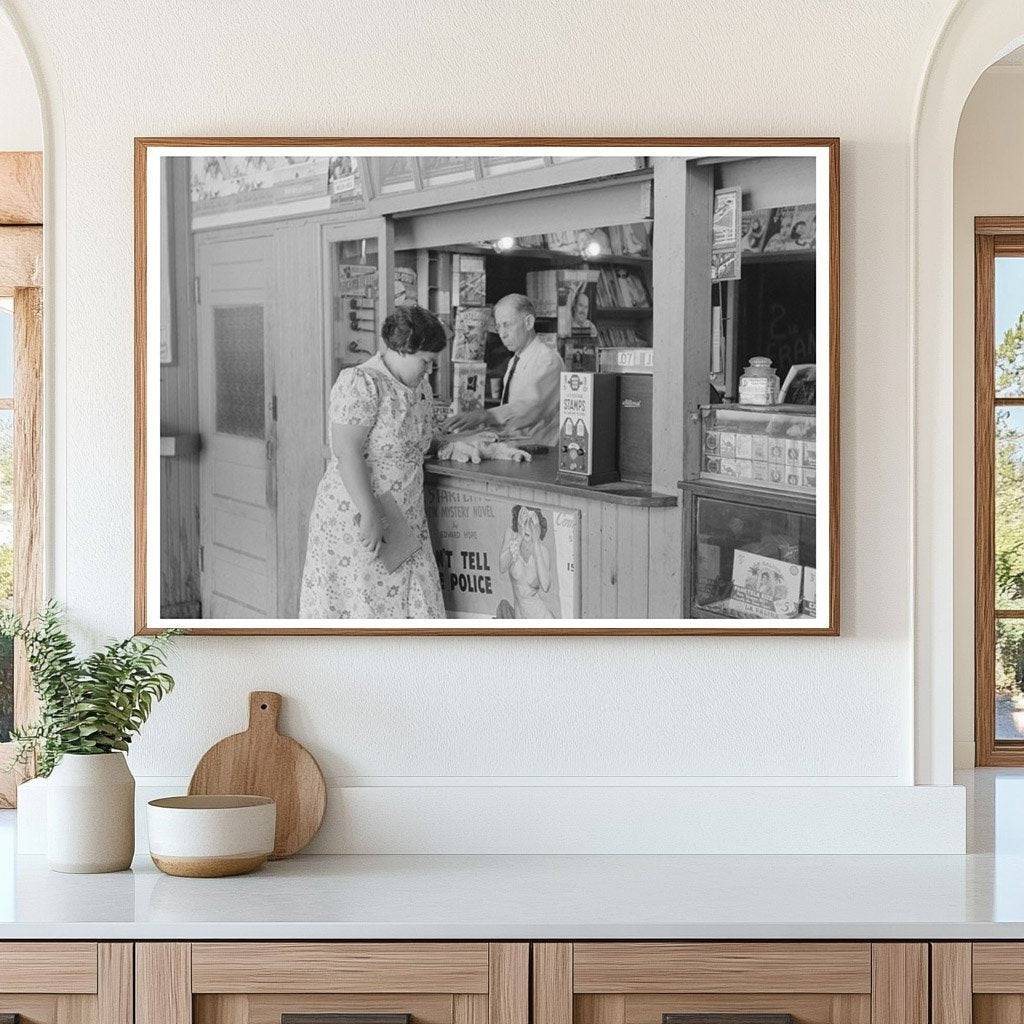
(988, 181)
(444, 714)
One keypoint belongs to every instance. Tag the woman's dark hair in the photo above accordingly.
(516, 509)
(413, 329)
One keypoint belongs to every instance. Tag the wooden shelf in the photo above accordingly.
(623, 312)
(803, 256)
(553, 256)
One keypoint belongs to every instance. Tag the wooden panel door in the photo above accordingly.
(814, 982)
(980, 982)
(67, 982)
(238, 493)
(260, 982)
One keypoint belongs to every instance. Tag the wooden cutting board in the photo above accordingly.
(262, 762)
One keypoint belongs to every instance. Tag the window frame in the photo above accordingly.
(994, 237)
(21, 253)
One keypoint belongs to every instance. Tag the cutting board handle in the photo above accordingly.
(264, 710)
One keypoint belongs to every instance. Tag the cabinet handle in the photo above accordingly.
(728, 1018)
(339, 1018)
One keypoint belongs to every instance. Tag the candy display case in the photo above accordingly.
(771, 446)
(751, 561)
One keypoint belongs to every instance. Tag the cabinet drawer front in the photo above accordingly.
(56, 967)
(721, 967)
(339, 967)
(998, 967)
(269, 1009)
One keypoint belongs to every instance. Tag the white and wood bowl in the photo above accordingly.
(211, 836)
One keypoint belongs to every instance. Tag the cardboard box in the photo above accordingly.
(765, 588)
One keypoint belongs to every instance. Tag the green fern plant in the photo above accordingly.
(91, 705)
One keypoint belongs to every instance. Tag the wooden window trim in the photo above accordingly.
(21, 261)
(993, 236)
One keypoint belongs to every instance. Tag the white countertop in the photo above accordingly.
(532, 897)
(977, 896)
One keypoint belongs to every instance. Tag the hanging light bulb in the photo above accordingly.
(589, 244)
(504, 243)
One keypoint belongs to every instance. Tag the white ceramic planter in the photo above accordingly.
(90, 814)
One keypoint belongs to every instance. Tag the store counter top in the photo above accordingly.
(542, 474)
(530, 897)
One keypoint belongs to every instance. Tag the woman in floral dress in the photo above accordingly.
(381, 416)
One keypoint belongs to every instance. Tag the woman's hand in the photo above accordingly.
(371, 531)
(468, 420)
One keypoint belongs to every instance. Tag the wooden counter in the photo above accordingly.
(627, 563)
(542, 475)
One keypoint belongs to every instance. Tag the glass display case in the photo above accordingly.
(770, 446)
(751, 562)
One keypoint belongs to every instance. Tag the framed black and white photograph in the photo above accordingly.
(482, 386)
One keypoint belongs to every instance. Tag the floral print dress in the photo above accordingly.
(341, 579)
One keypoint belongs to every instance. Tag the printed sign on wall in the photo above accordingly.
(500, 559)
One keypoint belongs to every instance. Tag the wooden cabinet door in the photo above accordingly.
(980, 982)
(814, 982)
(260, 982)
(66, 982)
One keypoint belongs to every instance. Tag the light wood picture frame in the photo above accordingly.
(275, 278)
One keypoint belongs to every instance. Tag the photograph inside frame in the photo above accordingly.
(544, 388)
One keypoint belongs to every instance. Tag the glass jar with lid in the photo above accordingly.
(759, 384)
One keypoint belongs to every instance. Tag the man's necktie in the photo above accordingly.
(508, 379)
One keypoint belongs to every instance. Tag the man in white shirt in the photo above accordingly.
(529, 391)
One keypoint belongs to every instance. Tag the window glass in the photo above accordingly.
(1009, 679)
(444, 170)
(395, 174)
(238, 347)
(1009, 514)
(496, 165)
(6, 350)
(1009, 327)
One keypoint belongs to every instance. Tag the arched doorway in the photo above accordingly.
(975, 35)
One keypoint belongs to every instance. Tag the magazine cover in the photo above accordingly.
(471, 327)
(469, 281)
(468, 383)
(499, 559)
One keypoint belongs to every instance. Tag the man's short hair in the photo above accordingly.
(519, 304)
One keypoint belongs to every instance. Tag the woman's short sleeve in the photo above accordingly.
(354, 399)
